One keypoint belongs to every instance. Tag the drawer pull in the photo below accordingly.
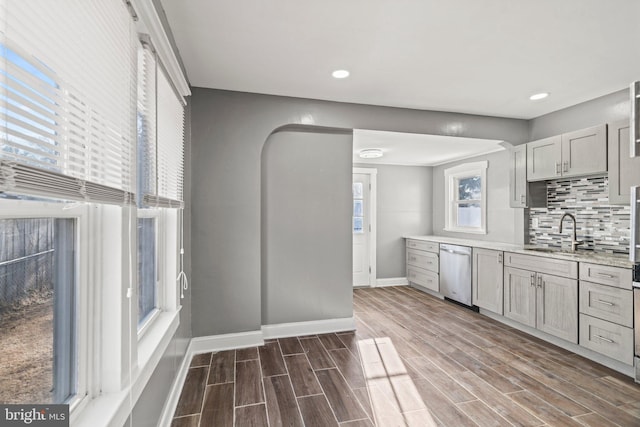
(604, 339)
(608, 276)
(599, 301)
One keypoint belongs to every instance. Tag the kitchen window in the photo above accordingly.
(466, 200)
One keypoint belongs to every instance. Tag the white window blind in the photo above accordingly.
(146, 122)
(68, 99)
(169, 142)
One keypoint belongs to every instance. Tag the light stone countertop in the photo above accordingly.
(613, 260)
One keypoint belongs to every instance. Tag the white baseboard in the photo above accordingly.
(295, 329)
(226, 342)
(393, 281)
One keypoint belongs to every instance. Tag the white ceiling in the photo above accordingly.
(417, 149)
(474, 56)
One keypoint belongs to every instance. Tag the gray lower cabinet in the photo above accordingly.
(536, 294)
(520, 296)
(557, 306)
(606, 311)
(607, 338)
(423, 264)
(624, 170)
(487, 279)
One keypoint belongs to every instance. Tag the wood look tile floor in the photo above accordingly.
(414, 360)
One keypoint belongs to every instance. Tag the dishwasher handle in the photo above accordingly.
(451, 251)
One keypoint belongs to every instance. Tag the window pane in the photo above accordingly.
(37, 310)
(147, 276)
(357, 208)
(357, 190)
(470, 188)
(357, 225)
(469, 215)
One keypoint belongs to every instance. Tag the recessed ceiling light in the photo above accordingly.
(538, 96)
(340, 74)
(371, 153)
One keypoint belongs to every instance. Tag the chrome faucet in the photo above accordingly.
(574, 240)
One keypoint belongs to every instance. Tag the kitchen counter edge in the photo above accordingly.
(613, 260)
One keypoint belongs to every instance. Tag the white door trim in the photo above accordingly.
(373, 173)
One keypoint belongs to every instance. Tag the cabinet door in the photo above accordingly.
(487, 279)
(520, 296)
(584, 151)
(557, 311)
(624, 170)
(518, 177)
(543, 158)
(425, 278)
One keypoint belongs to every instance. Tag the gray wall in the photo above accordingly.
(608, 108)
(504, 224)
(404, 207)
(229, 130)
(306, 227)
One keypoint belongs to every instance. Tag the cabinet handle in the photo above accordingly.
(565, 167)
(500, 258)
(522, 198)
(604, 339)
(608, 276)
(533, 279)
(540, 281)
(557, 168)
(599, 301)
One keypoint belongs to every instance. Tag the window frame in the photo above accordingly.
(85, 295)
(451, 177)
(160, 257)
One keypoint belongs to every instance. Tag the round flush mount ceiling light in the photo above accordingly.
(538, 96)
(370, 153)
(340, 74)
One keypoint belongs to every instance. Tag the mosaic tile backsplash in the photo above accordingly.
(601, 226)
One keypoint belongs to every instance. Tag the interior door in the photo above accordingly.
(361, 230)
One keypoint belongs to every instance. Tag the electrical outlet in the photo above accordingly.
(534, 223)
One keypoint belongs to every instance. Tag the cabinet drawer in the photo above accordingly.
(605, 275)
(423, 245)
(607, 338)
(424, 278)
(556, 267)
(422, 259)
(607, 303)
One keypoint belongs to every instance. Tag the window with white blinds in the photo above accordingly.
(68, 99)
(161, 178)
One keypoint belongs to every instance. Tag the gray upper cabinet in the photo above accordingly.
(543, 158)
(582, 152)
(624, 171)
(518, 177)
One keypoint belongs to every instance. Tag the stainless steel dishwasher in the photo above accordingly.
(455, 273)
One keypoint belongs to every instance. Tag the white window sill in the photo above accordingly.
(112, 409)
(465, 230)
